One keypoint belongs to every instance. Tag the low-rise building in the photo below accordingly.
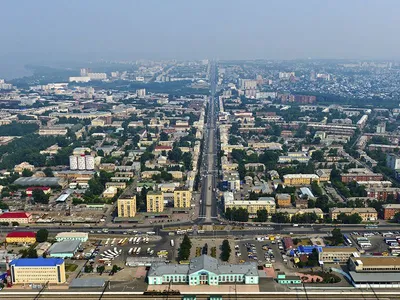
(300, 179)
(72, 236)
(283, 200)
(37, 270)
(336, 254)
(389, 210)
(252, 206)
(366, 213)
(19, 217)
(299, 211)
(21, 237)
(203, 270)
(64, 249)
(24, 166)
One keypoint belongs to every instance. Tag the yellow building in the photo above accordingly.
(110, 192)
(21, 237)
(126, 206)
(297, 211)
(252, 206)
(155, 201)
(182, 198)
(366, 213)
(22, 166)
(37, 270)
(300, 179)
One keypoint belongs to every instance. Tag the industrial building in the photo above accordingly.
(375, 271)
(72, 236)
(21, 237)
(20, 217)
(64, 249)
(37, 270)
(203, 270)
(40, 181)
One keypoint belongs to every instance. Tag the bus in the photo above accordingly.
(150, 233)
(371, 226)
(347, 240)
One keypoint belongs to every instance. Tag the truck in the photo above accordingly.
(295, 225)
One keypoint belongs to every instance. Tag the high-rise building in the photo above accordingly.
(182, 198)
(126, 206)
(73, 162)
(155, 201)
(84, 72)
(89, 160)
(81, 162)
(381, 127)
(141, 93)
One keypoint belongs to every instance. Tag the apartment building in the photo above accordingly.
(283, 200)
(300, 179)
(299, 211)
(252, 206)
(182, 198)
(389, 210)
(155, 202)
(366, 213)
(126, 206)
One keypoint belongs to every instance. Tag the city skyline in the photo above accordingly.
(182, 30)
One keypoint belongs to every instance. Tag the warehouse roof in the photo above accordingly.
(375, 277)
(14, 215)
(70, 246)
(37, 262)
(21, 234)
(38, 181)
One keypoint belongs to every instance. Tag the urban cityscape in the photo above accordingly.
(201, 178)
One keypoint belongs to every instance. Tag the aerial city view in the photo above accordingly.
(199, 150)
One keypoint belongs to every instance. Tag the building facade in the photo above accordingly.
(155, 202)
(182, 198)
(37, 270)
(389, 210)
(126, 206)
(366, 213)
(336, 254)
(21, 237)
(203, 270)
(20, 217)
(300, 179)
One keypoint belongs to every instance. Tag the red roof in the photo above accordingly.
(43, 188)
(14, 215)
(163, 147)
(21, 234)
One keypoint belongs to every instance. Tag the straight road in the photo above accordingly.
(208, 205)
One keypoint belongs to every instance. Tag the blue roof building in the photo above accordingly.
(37, 270)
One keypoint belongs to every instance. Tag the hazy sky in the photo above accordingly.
(185, 29)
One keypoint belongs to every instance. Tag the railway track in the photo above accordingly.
(365, 295)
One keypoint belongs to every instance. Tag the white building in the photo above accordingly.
(73, 162)
(81, 162)
(393, 161)
(89, 160)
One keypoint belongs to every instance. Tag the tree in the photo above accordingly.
(40, 197)
(262, 215)
(42, 235)
(337, 237)
(88, 268)
(13, 223)
(280, 218)
(318, 155)
(115, 269)
(225, 250)
(26, 173)
(184, 250)
(100, 269)
(163, 136)
(48, 172)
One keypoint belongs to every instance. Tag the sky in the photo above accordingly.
(47, 30)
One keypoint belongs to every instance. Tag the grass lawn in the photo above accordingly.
(70, 267)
